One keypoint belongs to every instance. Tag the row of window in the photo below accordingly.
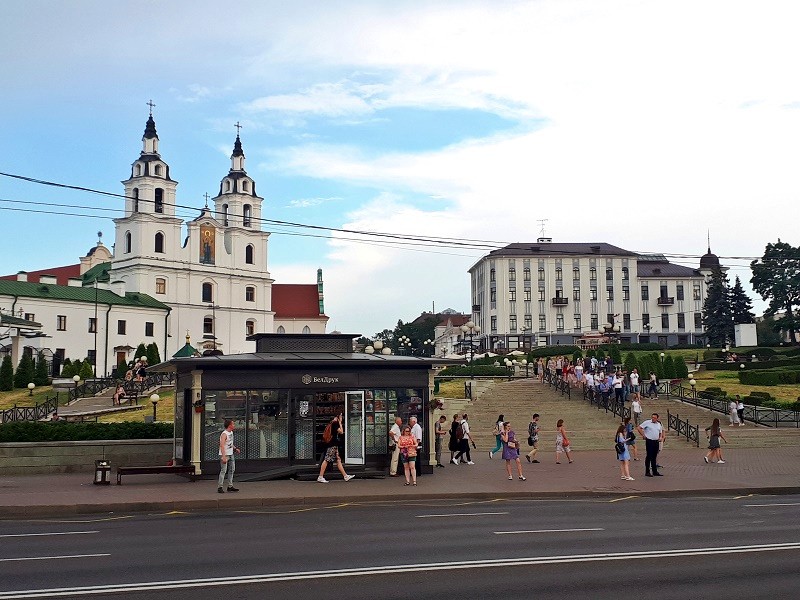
(576, 274)
(158, 247)
(158, 204)
(576, 294)
(122, 325)
(595, 323)
(207, 292)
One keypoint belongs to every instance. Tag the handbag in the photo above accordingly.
(620, 447)
(530, 440)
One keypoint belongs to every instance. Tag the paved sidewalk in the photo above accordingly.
(593, 473)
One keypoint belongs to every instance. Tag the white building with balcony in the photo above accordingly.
(545, 293)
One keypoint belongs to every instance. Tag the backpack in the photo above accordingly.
(459, 431)
(327, 435)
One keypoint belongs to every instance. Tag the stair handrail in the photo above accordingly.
(30, 413)
(683, 427)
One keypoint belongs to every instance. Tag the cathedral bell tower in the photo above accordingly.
(237, 205)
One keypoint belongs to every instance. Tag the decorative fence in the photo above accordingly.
(559, 383)
(608, 404)
(90, 387)
(769, 417)
(30, 413)
(690, 432)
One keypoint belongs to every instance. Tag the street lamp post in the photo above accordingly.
(471, 329)
(693, 383)
(154, 398)
(377, 347)
(30, 388)
(428, 347)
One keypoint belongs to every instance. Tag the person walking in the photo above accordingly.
(464, 443)
(733, 415)
(533, 438)
(333, 432)
(653, 433)
(562, 443)
(652, 390)
(394, 437)
(623, 455)
(455, 437)
(630, 437)
(440, 431)
(636, 409)
(714, 433)
(740, 410)
(227, 461)
(511, 451)
(408, 455)
(498, 434)
(634, 379)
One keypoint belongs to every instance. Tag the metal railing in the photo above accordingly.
(91, 387)
(609, 404)
(134, 389)
(760, 415)
(30, 413)
(684, 428)
(561, 385)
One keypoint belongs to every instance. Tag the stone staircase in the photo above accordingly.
(587, 427)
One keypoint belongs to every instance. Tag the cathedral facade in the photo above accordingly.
(207, 278)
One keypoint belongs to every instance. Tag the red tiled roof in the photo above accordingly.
(455, 320)
(62, 274)
(295, 300)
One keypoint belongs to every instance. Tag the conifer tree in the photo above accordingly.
(6, 375)
(717, 319)
(67, 369)
(681, 370)
(741, 305)
(141, 351)
(24, 374)
(153, 357)
(40, 374)
(87, 370)
(669, 367)
(630, 362)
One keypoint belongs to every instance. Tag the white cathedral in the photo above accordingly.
(209, 283)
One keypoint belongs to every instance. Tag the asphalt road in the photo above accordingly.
(722, 547)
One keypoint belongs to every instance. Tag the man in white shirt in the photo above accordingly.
(394, 437)
(635, 383)
(617, 383)
(636, 409)
(653, 433)
(227, 460)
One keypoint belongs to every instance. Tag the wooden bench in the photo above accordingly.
(154, 470)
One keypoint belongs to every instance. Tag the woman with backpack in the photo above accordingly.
(452, 445)
(511, 451)
(330, 437)
(498, 434)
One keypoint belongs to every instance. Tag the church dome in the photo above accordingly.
(709, 260)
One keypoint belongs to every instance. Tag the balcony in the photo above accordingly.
(666, 301)
(560, 301)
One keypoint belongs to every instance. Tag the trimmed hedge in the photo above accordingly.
(553, 351)
(770, 377)
(776, 363)
(459, 371)
(32, 431)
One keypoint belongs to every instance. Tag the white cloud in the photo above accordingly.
(309, 202)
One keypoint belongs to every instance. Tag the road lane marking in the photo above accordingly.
(14, 535)
(745, 496)
(548, 531)
(101, 520)
(21, 558)
(775, 504)
(390, 569)
(621, 499)
(480, 514)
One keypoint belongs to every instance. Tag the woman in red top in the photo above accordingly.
(408, 454)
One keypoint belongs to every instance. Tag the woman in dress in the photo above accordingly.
(579, 372)
(408, 454)
(562, 443)
(540, 369)
(498, 434)
(714, 434)
(623, 457)
(511, 451)
(733, 413)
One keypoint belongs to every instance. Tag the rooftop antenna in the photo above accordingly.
(542, 223)
(709, 241)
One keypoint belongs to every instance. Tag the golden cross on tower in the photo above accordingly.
(152, 106)
(238, 127)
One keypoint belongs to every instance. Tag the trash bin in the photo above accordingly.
(102, 472)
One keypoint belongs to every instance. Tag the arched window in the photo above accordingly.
(227, 185)
(225, 215)
(245, 186)
(306, 329)
(624, 273)
(609, 274)
(247, 213)
(158, 170)
(138, 170)
(250, 294)
(128, 241)
(593, 277)
(250, 327)
(208, 292)
(161, 285)
(159, 242)
(159, 200)
(558, 274)
(135, 199)
(281, 329)
(248, 254)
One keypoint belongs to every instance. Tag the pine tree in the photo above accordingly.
(681, 370)
(657, 365)
(6, 375)
(122, 369)
(616, 355)
(87, 370)
(40, 375)
(153, 357)
(717, 310)
(24, 373)
(141, 351)
(630, 362)
(67, 370)
(741, 305)
(669, 367)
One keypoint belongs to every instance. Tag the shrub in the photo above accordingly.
(669, 367)
(153, 357)
(67, 370)
(32, 431)
(24, 373)
(711, 354)
(6, 375)
(577, 355)
(553, 351)
(681, 370)
(466, 371)
(87, 370)
(40, 373)
(616, 355)
(770, 377)
(765, 395)
(630, 362)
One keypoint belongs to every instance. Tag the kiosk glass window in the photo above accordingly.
(222, 405)
(267, 425)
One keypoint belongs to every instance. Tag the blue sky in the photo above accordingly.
(640, 123)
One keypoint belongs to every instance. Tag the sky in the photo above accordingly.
(649, 125)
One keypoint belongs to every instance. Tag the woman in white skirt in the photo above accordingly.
(733, 414)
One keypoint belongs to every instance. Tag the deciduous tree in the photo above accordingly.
(776, 277)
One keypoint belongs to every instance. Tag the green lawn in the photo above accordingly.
(728, 381)
(22, 397)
